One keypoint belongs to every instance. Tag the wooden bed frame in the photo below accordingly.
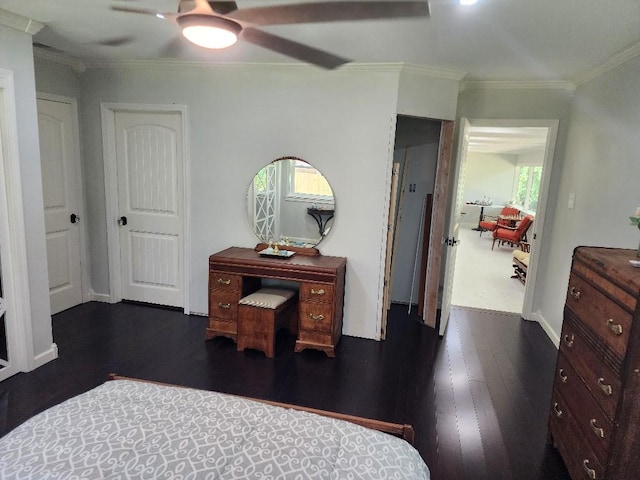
(403, 431)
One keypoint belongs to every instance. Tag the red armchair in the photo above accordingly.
(491, 225)
(512, 236)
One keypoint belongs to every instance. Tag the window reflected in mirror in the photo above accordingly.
(290, 202)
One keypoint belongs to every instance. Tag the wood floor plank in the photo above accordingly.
(478, 398)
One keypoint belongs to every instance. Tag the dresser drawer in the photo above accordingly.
(601, 379)
(317, 317)
(607, 319)
(224, 281)
(595, 426)
(578, 456)
(224, 305)
(316, 292)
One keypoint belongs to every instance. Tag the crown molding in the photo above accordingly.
(44, 54)
(519, 85)
(618, 59)
(18, 22)
(297, 67)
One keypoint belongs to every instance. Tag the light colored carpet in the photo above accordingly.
(482, 277)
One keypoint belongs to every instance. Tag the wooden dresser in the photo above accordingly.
(236, 272)
(594, 419)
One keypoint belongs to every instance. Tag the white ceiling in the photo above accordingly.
(507, 140)
(493, 40)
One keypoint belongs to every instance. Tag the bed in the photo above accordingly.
(132, 429)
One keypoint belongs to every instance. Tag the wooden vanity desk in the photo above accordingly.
(237, 272)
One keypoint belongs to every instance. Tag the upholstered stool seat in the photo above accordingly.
(261, 314)
(520, 265)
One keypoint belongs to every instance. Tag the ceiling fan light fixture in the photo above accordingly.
(209, 31)
(468, 2)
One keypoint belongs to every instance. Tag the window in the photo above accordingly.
(526, 187)
(306, 183)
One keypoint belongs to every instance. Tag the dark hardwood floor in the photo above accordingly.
(478, 398)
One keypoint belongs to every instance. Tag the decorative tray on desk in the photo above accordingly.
(270, 252)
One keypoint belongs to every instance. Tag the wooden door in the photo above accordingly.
(440, 196)
(150, 202)
(391, 227)
(454, 225)
(60, 164)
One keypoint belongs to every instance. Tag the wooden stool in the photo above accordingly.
(262, 314)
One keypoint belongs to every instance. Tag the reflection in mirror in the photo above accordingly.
(291, 203)
(4, 357)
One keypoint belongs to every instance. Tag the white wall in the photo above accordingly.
(487, 175)
(241, 118)
(601, 168)
(16, 55)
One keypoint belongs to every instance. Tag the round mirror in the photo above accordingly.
(291, 203)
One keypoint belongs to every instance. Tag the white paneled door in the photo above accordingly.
(61, 194)
(150, 203)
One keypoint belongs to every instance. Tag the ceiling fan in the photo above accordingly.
(219, 24)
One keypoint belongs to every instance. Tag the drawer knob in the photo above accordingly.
(556, 410)
(597, 430)
(317, 292)
(318, 318)
(591, 473)
(222, 281)
(604, 387)
(226, 306)
(615, 328)
(575, 293)
(563, 376)
(568, 340)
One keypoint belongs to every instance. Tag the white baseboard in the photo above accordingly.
(100, 297)
(46, 357)
(551, 333)
(199, 314)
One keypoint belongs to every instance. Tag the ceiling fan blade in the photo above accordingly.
(329, 12)
(144, 11)
(116, 42)
(292, 49)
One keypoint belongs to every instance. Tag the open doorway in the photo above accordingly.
(504, 164)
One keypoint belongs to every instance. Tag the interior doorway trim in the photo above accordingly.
(78, 174)
(108, 113)
(15, 266)
(552, 133)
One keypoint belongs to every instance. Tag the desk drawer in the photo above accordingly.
(316, 292)
(224, 281)
(224, 305)
(607, 319)
(317, 317)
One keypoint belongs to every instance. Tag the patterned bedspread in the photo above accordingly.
(134, 430)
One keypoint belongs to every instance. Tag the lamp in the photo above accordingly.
(209, 31)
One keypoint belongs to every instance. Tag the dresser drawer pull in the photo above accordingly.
(317, 292)
(575, 293)
(597, 430)
(568, 340)
(563, 376)
(318, 318)
(226, 306)
(556, 410)
(604, 387)
(615, 328)
(591, 473)
(222, 281)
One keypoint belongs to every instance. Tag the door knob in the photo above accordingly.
(122, 221)
(74, 218)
